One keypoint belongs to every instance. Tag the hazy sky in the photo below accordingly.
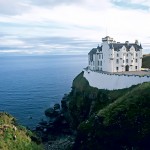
(70, 26)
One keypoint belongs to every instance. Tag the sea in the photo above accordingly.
(31, 84)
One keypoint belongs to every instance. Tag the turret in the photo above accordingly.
(107, 39)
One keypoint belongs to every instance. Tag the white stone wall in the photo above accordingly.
(111, 82)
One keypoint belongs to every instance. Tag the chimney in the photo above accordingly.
(137, 42)
(127, 42)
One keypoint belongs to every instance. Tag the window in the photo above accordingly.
(135, 67)
(117, 55)
(117, 61)
(123, 61)
(127, 55)
(89, 62)
(126, 60)
(136, 60)
(99, 56)
(100, 63)
(117, 68)
(102, 56)
(136, 54)
(132, 61)
(93, 62)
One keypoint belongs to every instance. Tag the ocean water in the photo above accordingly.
(31, 84)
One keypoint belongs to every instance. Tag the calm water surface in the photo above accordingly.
(30, 84)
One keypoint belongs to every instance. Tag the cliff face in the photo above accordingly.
(15, 137)
(85, 101)
(106, 119)
(146, 61)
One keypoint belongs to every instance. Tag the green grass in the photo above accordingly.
(86, 100)
(146, 61)
(117, 119)
(14, 137)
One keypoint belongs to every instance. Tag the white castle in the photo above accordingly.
(114, 56)
(115, 65)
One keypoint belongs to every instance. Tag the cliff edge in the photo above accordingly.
(117, 119)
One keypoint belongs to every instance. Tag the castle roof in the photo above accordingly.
(118, 46)
(94, 51)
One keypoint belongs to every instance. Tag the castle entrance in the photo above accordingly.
(127, 68)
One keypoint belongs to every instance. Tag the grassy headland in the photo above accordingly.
(15, 137)
(104, 119)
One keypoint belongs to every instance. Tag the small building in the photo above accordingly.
(114, 56)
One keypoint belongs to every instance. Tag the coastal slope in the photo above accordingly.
(146, 61)
(15, 137)
(117, 119)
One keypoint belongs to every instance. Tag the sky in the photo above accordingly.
(64, 27)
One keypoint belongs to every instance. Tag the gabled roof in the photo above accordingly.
(99, 48)
(94, 51)
(118, 46)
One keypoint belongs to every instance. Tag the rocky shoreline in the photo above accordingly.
(56, 133)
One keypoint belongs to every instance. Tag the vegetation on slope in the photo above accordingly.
(146, 61)
(84, 101)
(14, 137)
(107, 120)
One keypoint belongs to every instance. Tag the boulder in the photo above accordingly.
(57, 107)
(64, 104)
(44, 123)
(50, 112)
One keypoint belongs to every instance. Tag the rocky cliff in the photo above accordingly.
(101, 119)
(104, 119)
(146, 61)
